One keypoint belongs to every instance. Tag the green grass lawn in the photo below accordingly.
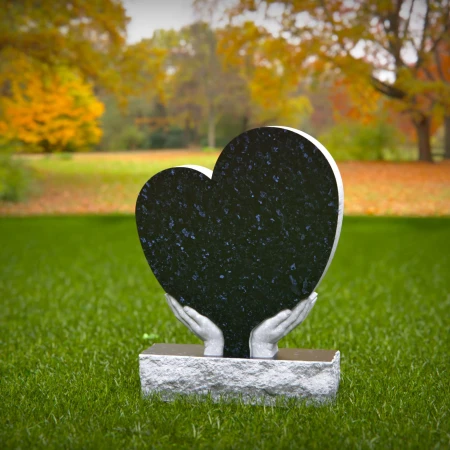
(77, 296)
(101, 182)
(108, 183)
(130, 173)
(115, 166)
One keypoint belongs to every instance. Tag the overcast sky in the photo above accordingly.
(150, 15)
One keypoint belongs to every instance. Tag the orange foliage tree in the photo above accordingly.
(434, 76)
(204, 81)
(83, 34)
(50, 52)
(351, 99)
(50, 111)
(363, 40)
(270, 94)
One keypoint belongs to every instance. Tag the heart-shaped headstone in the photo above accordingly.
(250, 241)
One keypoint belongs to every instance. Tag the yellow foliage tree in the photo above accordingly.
(50, 112)
(273, 96)
(83, 34)
(364, 40)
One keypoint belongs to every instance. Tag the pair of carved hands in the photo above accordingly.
(263, 338)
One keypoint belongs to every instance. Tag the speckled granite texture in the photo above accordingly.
(253, 240)
(252, 381)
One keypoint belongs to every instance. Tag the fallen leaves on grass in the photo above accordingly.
(371, 188)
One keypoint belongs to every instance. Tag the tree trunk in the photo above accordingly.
(186, 133)
(212, 127)
(245, 123)
(447, 137)
(423, 138)
(45, 145)
(195, 138)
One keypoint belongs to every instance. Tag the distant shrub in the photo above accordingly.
(175, 138)
(16, 179)
(158, 139)
(171, 138)
(354, 141)
(131, 138)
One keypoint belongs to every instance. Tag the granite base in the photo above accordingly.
(174, 369)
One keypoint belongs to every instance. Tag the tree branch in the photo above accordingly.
(422, 40)
(437, 58)
(444, 31)
(408, 20)
(387, 89)
(392, 32)
(428, 73)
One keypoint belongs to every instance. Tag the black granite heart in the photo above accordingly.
(251, 241)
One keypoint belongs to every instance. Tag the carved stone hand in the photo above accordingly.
(200, 325)
(264, 338)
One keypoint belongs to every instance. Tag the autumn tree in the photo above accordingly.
(367, 40)
(267, 93)
(195, 80)
(50, 53)
(50, 110)
(142, 71)
(84, 38)
(435, 82)
(204, 83)
(82, 34)
(179, 99)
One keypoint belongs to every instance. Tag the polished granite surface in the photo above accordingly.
(253, 240)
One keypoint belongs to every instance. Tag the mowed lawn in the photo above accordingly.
(109, 183)
(77, 297)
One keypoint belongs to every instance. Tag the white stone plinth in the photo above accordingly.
(173, 369)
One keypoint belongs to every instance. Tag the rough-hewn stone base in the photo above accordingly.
(172, 369)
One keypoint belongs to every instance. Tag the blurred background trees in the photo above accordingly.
(51, 56)
(397, 48)
(368, 78)
(50, 110)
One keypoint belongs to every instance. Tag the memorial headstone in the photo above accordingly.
(239, 252)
